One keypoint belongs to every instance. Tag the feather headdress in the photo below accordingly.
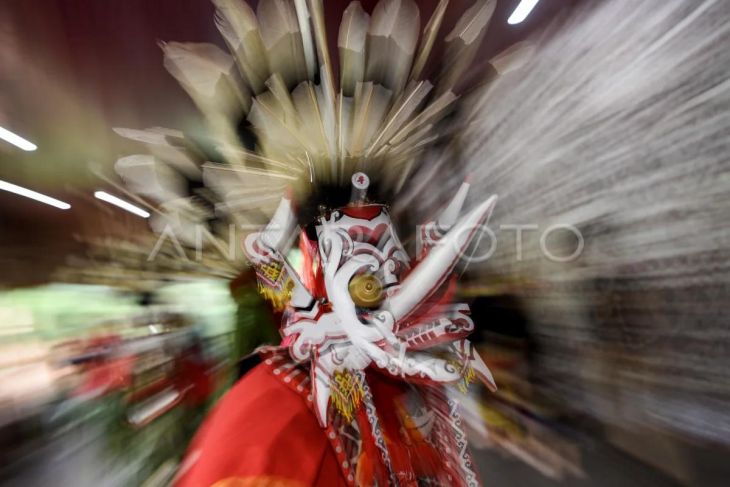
(281, 116)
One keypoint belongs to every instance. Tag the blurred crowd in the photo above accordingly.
(118, 398)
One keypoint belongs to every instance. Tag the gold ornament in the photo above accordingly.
(347, 393)
(366, 291)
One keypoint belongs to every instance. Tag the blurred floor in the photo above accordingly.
(75, 461)
(603, 465)
(72, 459)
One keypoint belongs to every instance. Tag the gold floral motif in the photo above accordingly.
(277, 298)
(347, 393)
(468, 376)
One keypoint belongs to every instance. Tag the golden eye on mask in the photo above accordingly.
(366, 291)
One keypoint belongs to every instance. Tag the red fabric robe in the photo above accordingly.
(262, 433)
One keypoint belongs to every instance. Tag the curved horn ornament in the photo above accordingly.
(276, 238)
(431, 273)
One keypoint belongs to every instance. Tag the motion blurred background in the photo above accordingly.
(613, 366)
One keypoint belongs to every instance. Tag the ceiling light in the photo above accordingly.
(14, 188)
(522, 11)
(16, 140)
(104, 196)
